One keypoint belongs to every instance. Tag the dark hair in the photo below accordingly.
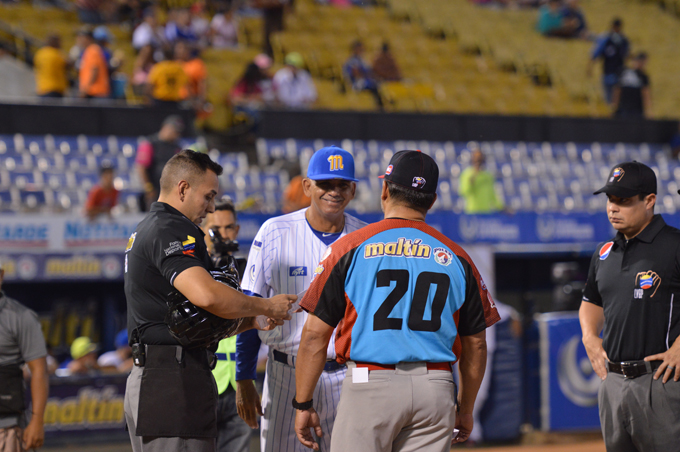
(106, 167)
(251, 76)
(617, 22)
(187, 165)
(356, 44)
(225, 203)
(411, 198)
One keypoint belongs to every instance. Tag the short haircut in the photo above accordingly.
(226, 203)
(410, 198)
(187, 165)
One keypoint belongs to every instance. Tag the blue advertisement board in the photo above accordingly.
(569, 385)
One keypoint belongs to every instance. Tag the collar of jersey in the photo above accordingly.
(164, 207)
(647, 235)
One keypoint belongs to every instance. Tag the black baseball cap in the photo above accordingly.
(413, 170)
(630, 179)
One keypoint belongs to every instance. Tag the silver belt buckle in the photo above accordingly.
(630, 366)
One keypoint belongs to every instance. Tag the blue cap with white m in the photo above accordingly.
(331, 162)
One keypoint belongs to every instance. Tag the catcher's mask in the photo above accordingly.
(195, 327)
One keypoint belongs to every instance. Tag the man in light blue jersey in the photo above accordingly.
(282, 259)
(409, 302)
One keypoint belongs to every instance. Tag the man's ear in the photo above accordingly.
(384, 192)
(307, 186)
(182, 189)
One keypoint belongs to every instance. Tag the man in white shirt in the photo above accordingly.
(294, 86)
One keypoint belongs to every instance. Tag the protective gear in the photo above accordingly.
(195, 327)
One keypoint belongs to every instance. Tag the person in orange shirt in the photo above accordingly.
(50, 69)
(194, 67)
(165, 82)
(94, 71)
(103, 197)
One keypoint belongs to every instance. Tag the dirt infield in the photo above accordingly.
(589, 446)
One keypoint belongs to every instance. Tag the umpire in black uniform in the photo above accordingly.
(171, 397)
(630, 296)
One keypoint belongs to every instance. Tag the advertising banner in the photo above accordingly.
(24, 267)
(85, 408)
(569, 385)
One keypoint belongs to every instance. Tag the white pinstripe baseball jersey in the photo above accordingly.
(282, 259)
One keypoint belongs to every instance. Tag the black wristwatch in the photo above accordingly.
(302, 406)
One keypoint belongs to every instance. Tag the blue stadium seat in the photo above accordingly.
(32, 199)
(67, 199)
(85, 180)
(23, 179)
(55, 179)
(6, 200)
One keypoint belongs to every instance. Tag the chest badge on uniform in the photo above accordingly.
(644, 281)
(297, 271)
(442, 256)
(605, 250)
(131, 242)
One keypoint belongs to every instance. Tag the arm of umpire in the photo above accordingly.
(202, 290)
(471, 366)
(309, 364)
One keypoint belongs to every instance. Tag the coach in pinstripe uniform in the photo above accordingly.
(282, 259)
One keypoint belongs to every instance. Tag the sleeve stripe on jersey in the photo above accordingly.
(343, 341)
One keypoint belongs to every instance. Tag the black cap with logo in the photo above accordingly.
(413, 170)
(630, 179)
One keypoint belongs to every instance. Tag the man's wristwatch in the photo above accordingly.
(302, 406)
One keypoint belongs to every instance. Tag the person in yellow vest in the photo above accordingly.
(233, 434)
(476, 185)
(50, 69)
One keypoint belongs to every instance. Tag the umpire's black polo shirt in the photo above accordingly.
(636, 282)
(164, 244)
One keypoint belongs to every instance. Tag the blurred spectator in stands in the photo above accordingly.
(84, 356)
(148, 33)
(200, 24)
(166, 80)
(552, 22)
(21, 341)
(140, 71)
(152, 155)
(224, 28)
(631, 97)
(294, 197)
(613, 49)
(120, 359)
(75, 53)
(264, 62)
(197, 74)
(179, 28)
(94, 72)
(247, 95)
(102, 197)
(476, 186)
(89, 11)
(385, 66)
(293, 85)
(50, 69)
(272, 14)
(574, 16)
(114, 60)
(359, 74)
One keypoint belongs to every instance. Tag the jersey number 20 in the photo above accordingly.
(416, 318)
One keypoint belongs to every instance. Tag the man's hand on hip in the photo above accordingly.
(248, 403)
(670, 364)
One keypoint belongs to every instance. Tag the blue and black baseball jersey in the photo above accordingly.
(399, 291)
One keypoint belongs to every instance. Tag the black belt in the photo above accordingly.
(632, 369)
(284, 358)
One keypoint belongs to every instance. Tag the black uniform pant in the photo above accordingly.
(640, 414)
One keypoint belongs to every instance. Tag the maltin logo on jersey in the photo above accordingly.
(646, 280)
(442, 256)
(605, 250)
